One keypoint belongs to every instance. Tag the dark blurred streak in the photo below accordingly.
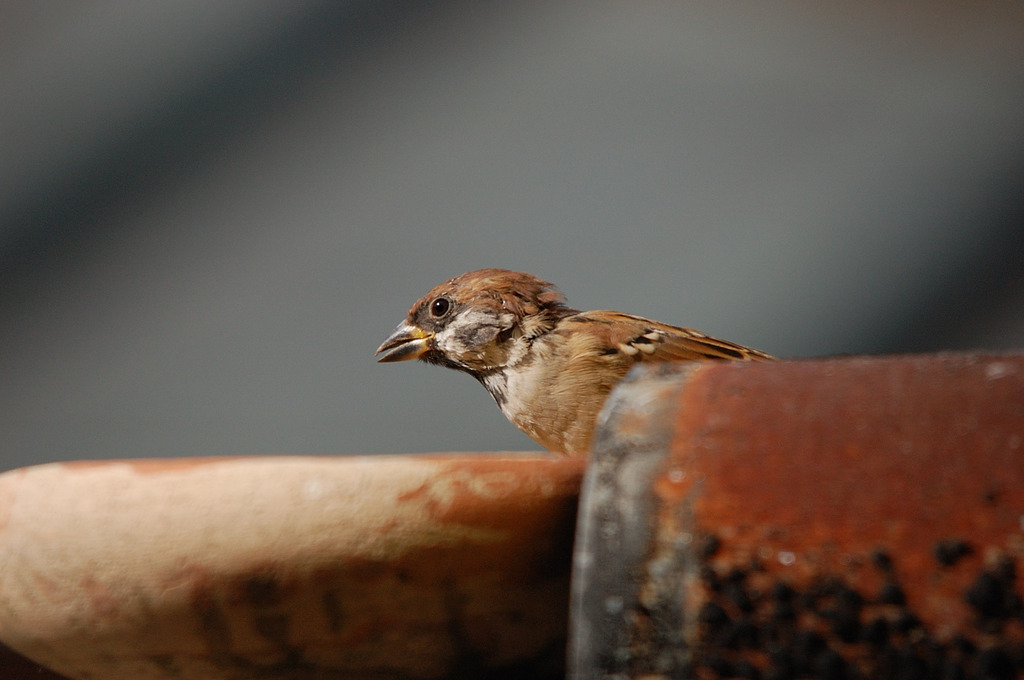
(54, 228)
(16, 667)
(987, 283)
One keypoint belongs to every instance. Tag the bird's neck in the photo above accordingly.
(513, 388)
(515, 381)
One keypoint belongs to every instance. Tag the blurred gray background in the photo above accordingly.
(212, 213)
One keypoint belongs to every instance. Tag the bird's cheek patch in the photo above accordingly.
(481, 329)
(471, 331)
(476, 336)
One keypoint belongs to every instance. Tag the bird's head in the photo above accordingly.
(478, 322)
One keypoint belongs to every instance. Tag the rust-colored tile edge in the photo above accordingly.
(775, 541)
(607, 614)
(524, 540)
(158, 465)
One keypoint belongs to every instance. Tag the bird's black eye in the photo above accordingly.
(440, 307)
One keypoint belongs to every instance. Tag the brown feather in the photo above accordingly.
(649, 340)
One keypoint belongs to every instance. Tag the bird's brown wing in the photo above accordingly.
(629, 337)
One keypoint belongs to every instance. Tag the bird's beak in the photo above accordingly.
(405, 342)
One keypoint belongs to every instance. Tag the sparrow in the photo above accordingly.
(549, 367)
